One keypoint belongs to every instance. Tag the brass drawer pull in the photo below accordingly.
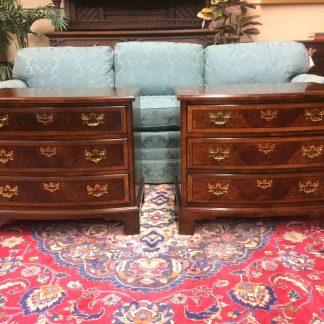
(45, 118)
(264, 184)
(219, 153)
(218, 189)
(268, 115)
(312, 151)
(51, 187)
(266, 148)
(308, 187)
(92, 120)
(8, 192)
(219, 118)
(97, 191)
(4, 120)
(314, 115)
(48, 151)
(5, 156)
(95, 156)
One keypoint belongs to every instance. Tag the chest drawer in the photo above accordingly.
(258, 118)
(80, 155)
(64, 191)
(256, 188)
(258, 153)
(68, 120)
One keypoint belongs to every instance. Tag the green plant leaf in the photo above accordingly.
(6, 70)
(17, 21)
(231, 21)
(251, 31)
(235, 10)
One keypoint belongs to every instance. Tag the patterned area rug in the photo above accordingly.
(231, 271)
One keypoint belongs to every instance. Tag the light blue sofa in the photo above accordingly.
(158, 68)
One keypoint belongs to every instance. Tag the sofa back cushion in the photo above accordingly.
(257, 62)
(158, 67)
(73, 67)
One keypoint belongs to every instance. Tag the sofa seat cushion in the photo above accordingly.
(66, 66)
(256, 62)
(158, 67)
(159, 113)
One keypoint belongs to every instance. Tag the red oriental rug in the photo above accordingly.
(231, 271)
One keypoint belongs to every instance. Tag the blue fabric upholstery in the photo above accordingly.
(158, 67)
(160, 140)
(160, 171)
(159, 113)
(259, 62)
(72, 67)
(13, 84)
(160, 156)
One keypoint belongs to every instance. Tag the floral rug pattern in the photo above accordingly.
(230, 271)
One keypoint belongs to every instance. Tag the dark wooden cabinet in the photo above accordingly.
(69, 154)
(100, 22)
(110, 38)
(133, 15)
(251, 150)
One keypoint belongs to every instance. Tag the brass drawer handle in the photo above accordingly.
(219, 118)
(312, 151)
(97, 191)
(264, 184)
(8, 192)
(48, 151)
(218, 189)
(45, 118)
(266, 148)
(219, 153)
(4, 120)
(308, 187)
(268, 115)
(92, 120)
(314, 115)
(51, 187)
(95, 156)
(5, 156)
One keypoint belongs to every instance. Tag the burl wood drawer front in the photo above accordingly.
(40, 156)
(259, 153)
(255, 189)
(67, 191)
(65, 119)
(251, 118)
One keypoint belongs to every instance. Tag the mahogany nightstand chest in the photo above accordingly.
(69, 154)
(251, 150)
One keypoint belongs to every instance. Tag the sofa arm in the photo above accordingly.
(307, 78)
(13, 84)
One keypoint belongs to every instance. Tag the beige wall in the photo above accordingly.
(280, 22)
(290, 22)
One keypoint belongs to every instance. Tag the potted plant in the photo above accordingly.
(15, 25)
(229, 20)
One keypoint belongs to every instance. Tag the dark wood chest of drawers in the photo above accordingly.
(251, 150)
(69, 154)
